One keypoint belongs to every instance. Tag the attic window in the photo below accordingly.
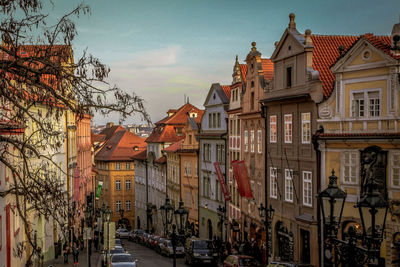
(193, 115)
(214, 96)
(136, 148)
(289, 47)
(366, 55)
(288, 76)
(178, 131)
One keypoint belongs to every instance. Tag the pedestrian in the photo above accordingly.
(75, 253)
(66, 252)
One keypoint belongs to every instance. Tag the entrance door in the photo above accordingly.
(305, 246)
(210, 230)
(8, 236)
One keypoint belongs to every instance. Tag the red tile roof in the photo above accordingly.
(122, 146)
(161, 160)
(98, 137)
(243, 69)
(381, 42)
(109, 131)
(174, 147)
(227, 90)
(268, 68)
(165, 131)
(326, 52)
(141, 155)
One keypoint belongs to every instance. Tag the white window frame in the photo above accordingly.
(259, 142)
(392, 168)
(273, 131)
(345, 164)
(307, 188)
(289, 185)
(306, 128)
(128, 207)
(288, 128)
(126, 166)
(366, 103)
(246, 141)
(273, 191)
(128, 182)
(118, 205)
(252, 141)
(117, 185)
(118, 166)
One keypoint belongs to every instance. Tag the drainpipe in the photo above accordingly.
(315, 138)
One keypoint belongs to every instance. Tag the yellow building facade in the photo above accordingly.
(360, 132)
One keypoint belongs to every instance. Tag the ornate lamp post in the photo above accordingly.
(181, 218)
(167, 211)
(267, 214)
(107, 217)
(332, 201)
(221, 214)
(373, 210)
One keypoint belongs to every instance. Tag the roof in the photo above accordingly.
(193, 124)
(383, 43)
(142, 155)
(98, 138)
(325, 53)
(161, 160)
(122, 146)
(243, 69)
(164, 134)
(227, 90)
(180, 115)
(109, 131)
(174, 147)
(268, 68)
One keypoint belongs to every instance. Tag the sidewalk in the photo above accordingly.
(95, 260)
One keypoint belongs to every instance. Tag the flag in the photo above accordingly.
(99, 187)
(242, 179)
(224, 188)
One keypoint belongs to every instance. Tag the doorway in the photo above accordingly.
(305, 246)
(210, 230)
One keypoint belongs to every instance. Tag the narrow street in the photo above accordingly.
(149, 258)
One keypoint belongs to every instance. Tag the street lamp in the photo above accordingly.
(221, 214)
(266, 215)
(181, 217)
(107, 216)
(167, 211)
(373, 211)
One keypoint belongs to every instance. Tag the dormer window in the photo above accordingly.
(193, 114)
(289, 77)
(178, 131)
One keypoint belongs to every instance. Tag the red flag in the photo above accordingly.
(242, 179)
(224, 188)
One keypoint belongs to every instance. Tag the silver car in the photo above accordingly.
(122, 233)
(123, 260)
(167, 250)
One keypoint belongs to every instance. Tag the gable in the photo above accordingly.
(216, 96)
(289, 47)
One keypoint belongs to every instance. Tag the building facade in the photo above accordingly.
(212, 142)
(360, 138)
(174, 173)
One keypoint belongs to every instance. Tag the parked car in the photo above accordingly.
(123, 260)
(200, 251)
(149, 240)
(134, 235)
(159, 244)
(154, 242)
(116, 250)
(118, 242)
(167, 250)
(144, 238)
(289, 264)
(240, 261)
(122, 233)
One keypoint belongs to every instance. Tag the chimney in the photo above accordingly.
(292, 24)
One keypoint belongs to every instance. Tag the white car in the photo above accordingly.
(122, 233)
(123, 260)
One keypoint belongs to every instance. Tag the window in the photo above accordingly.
(189, 168)
(358, 105)
(252, 101)
(220, 153)
(288, 76)
(188, 199)
(209, 120)
(273, 191)
(252, 141)
(366, 103)
(246, 141)
(118, 166)
(259, 193)
(395, 169)
(206, 184)
(307, 188)
(288, 185)
(218, 119)
(128, 205)
(349, 167)
(128, 166)
(214, 123)
(128, 184)
(374, 104)
(207, 152)
(305, 128)
(118, 185)
(118, 205)
(259, 141)
(272, 129)
(288, 128)
(190, 139)
(217, 190)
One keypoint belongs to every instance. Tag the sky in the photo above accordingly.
(165, 49)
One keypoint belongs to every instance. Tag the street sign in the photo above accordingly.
(109, 235)
(99, 187)
(87, 233)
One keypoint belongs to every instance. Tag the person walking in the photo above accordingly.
(66, 252)
(75, 253)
